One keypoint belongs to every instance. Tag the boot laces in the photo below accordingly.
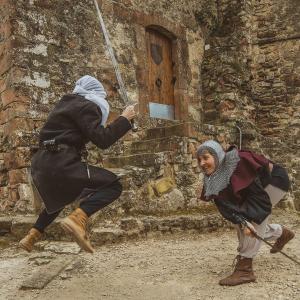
(82, 220)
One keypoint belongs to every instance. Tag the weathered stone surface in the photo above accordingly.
(44, 45)
(139, 160)
(101, 236)
(62, 248)
(43, 258)
(21, 225)
(134, 228)
(131, 224)
(46, 273)
(249, 70)
(186, 129)
(5, 225)
(172, 143)
(168, 202)
(163, 185)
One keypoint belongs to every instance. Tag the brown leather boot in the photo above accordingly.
(285, 237)
(243, 273)
(30, 239)
(75, 224)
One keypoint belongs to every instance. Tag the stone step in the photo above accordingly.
(138, 160)
(187, 129)
(149, 226)
(125, 228)
(171, 143)
(19, 226)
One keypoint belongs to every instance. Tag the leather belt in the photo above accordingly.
(53, 146)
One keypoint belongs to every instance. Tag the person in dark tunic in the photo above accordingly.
(244, 183)
(57, 170)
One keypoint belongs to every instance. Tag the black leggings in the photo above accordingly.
(90, 205)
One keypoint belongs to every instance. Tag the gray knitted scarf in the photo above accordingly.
(225, 165)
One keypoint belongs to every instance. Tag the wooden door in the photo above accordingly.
(161, 78)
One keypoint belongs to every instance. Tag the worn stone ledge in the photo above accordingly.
(45, 274)
(123, 229)
(5, 225)
(134, 228)
(18, 226)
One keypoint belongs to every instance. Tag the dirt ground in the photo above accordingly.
(181, 266)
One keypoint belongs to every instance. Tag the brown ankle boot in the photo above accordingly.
(285, 237)
(75, 224)
(243, 273)
(30, 239)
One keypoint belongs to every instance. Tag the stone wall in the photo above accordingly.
(276, 83)
(251, 78)
(226, 73)
(236, 65)
(47, 45)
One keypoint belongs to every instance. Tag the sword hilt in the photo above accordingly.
(134, 128)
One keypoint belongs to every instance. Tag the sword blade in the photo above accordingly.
(123, 91)
(269, 244)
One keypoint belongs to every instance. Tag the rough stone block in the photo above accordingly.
(18, 176)
(3, 84)
(46, 273)
(21, 225)
(56, 233)
(15, 110)
(187, 129)
(101, 236)
(131, 224)
(5, 30)
(62, 247)
(168, 202)
(192, 149)
(163, 185)
(11, 95)
(156, 145)
(5, 225)
(140, 160)
(5, 62)
(25, 192)
(194, 163)
(41, 258)
(13, 193)
(19, 158)
(150, 190)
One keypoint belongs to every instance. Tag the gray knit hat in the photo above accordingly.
(214, 148)
(226, 163)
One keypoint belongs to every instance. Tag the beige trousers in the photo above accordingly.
(249, 246)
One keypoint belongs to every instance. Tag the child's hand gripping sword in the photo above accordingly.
(122, 89)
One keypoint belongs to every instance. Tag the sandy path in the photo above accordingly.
(173, 267)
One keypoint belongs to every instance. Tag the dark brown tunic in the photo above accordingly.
(61, 177)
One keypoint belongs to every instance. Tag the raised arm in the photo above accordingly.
(88, 120)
